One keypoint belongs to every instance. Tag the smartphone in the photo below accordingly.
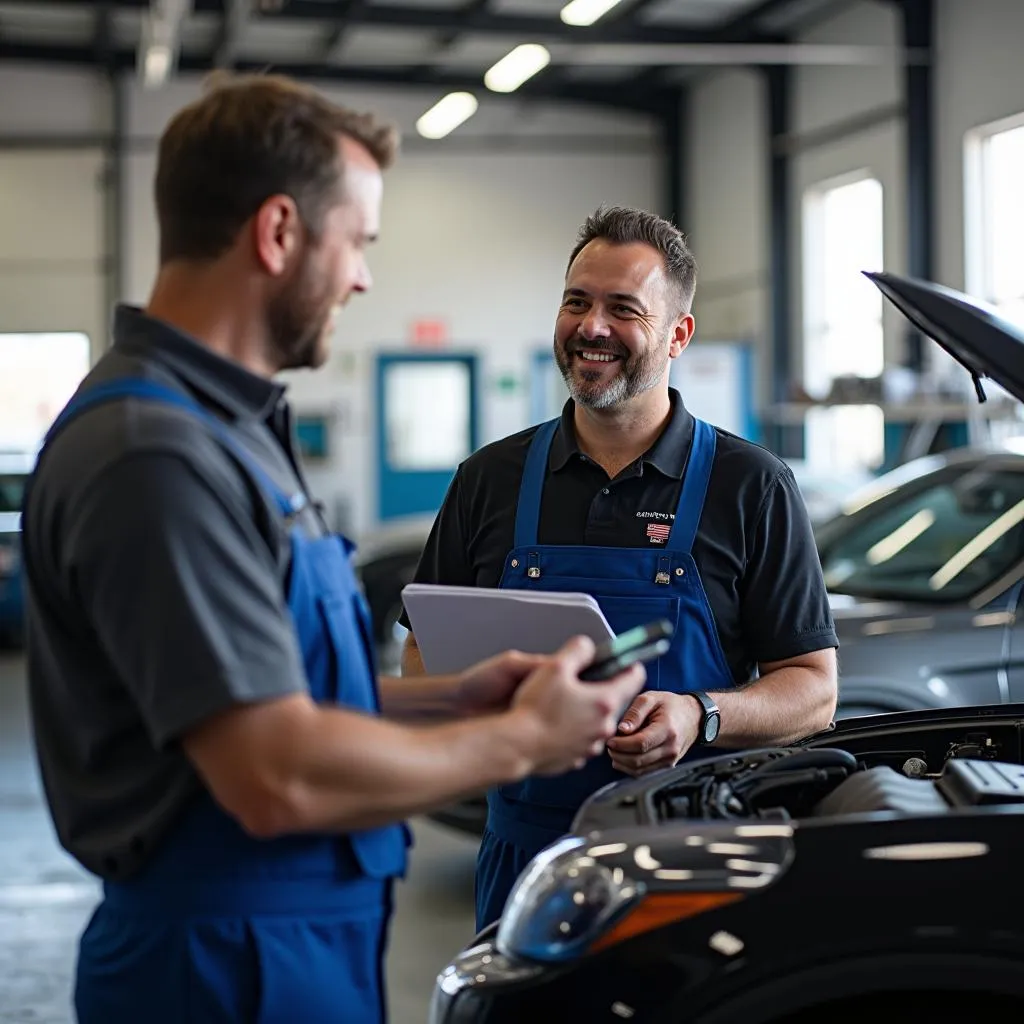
(644, 643)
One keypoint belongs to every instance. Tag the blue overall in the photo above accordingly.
(633, 586)
(223, 928)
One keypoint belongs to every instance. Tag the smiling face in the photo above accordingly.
(620, 324)
(330, 268)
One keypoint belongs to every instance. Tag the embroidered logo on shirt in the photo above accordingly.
(658, 532)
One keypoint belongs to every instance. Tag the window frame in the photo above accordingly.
(977, 254)
(814, 320)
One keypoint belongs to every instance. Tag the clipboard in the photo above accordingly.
(455, 627)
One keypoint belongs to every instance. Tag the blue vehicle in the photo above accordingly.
(14, 470)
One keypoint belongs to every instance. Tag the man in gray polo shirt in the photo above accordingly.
(199, 657)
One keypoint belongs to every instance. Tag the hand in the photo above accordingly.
(655, 732)
(569, 720)
(488, 685)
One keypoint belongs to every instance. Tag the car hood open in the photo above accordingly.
(972, 333)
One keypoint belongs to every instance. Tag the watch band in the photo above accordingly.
(712, 717)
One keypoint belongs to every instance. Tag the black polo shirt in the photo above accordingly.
(754, 548)
(156, 574)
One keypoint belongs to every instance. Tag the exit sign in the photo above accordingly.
(428, 333)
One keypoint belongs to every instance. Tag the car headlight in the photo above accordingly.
(563, 903)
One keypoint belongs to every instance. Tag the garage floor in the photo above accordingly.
(45, 898)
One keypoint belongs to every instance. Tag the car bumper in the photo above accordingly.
(483, 986)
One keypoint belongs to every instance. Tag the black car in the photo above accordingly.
(787, 884)
(871, 872)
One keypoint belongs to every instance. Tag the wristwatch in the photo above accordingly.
(711, 723)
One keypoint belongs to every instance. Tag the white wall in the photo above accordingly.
(978, 78)
(476, 231)
(52, 202)
(826, 97)
(727, 162)
(476, 239)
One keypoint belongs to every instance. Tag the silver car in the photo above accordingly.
(925, 569)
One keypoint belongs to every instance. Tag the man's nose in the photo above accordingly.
(595, 324)
(364, 279)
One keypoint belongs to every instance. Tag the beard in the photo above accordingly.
(298, 318)
(593, 388)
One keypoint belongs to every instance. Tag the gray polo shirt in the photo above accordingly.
(156, 572)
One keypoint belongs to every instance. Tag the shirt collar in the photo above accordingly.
(667, 455)
(242, 394)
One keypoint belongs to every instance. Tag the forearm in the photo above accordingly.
(427, 698)
(781, 707)
(316, 769)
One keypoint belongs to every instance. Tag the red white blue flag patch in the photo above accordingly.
(658, 532)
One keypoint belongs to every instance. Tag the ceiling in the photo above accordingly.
(632, 57)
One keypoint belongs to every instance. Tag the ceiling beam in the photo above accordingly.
(483, 22)
(342, 21)
(232, 25)
(469, 11)
(615, 96)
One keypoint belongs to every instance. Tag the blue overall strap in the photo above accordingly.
(694, 489)
(149, 390)
(532, 485)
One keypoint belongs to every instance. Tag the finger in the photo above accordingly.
(643, 704)
(576, 654)
(653, 735)
(519, 663)
(620, 690)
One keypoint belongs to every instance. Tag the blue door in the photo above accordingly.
(426, 426)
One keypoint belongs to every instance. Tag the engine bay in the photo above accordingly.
(924, 771)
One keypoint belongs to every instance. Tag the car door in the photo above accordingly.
(1012, 674)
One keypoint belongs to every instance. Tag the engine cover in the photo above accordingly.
(882, 789)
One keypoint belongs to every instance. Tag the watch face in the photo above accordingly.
(711, 725)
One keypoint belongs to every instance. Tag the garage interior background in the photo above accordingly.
(478, 224)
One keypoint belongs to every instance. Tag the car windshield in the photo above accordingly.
(944, 537)
(12, 490)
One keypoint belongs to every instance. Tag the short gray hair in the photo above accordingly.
(621, 225)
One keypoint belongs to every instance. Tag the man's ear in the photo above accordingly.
(277, 233)
(681, 335)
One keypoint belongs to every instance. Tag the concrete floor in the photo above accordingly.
(45, 898)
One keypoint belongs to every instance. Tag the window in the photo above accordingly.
(38, 375)
(842, 319)
(995, 216)
(943, 537)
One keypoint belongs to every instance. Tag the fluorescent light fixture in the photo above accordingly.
(157, 65)
(585, 12)
(516, 67)
(447, 114)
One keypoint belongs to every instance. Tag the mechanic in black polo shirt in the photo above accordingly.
(628, 497)
(200, 663)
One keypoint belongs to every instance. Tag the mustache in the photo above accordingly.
(577, 345)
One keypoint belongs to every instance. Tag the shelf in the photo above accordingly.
(904, 412)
